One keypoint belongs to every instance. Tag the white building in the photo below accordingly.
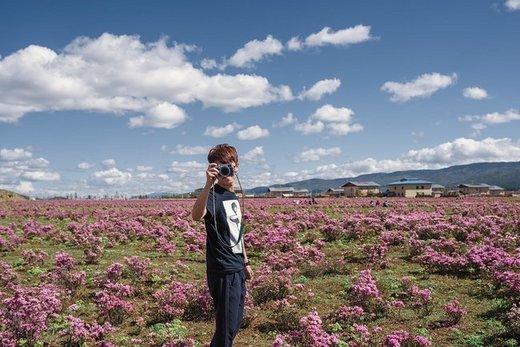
(497, 191)
(438, 190)
(474, 189)
(285, 192)
(411, 187)
(335, 192)
(354, 188)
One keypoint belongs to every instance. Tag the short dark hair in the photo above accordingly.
(223, 153)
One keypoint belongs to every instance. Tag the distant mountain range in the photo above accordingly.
(503, 174)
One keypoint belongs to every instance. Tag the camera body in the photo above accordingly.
(225, 170)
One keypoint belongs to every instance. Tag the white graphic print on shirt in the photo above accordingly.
(234, 220)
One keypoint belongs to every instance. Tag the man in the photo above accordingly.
(226, 260)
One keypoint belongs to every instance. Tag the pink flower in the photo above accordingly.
(455, 311)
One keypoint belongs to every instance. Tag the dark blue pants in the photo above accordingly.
(228, 292)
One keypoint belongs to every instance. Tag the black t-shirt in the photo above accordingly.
(220, 256)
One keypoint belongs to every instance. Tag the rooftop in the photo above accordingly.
(408, 181)
(281, 189)
(361, 184)
(480, 185)
(495, 188)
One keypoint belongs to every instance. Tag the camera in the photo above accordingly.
(225, 170)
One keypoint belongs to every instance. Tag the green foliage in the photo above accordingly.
(422, 331)
(36, 271)
(58, 324)
(473, 341)
(18, 263)
(123, 340)
(25, 343)
(156, 278)
(336, 327)
(495, 326)
(168, 332)
(154, 255)
(85, 307)
(300, 279)
(388, 281)
(347, 285)
(500, 304)
(457, 333)
(511, 343)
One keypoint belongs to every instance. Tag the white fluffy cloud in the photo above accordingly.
(423, 86)
(137, 78)
(475, 93)
(342, 129)
(40, 176)
(463, 151)
(329, 113)
(208, 64)
(315, 154)
(108, 163)
(254, 51)
(39, 163)
(256, 155)
(344, 37)
(457, 152)
(294, 44)
(252, 133)
(24, 187)
(513, 5)
(111, 177)
(18, 170)
(285, 121)
(327, 36)
(257, 50)
(85, 166)
(337, 119)
(163, 115)
(14, 154)
(145, 181)
(147, 81)
(319, 89)
(233, 93)
(482, 122)
(221, 131)
(309, 127)
(142, 168)
(191, 150)
(190, 168)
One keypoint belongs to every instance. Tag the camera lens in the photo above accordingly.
(226, 170)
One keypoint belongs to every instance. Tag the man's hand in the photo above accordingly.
(199, 208)
(211, 174)
(249, 272)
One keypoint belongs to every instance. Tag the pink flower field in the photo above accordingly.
(420, 272)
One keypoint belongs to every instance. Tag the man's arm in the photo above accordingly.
(247, 269)
(199, 208)
(244, 250)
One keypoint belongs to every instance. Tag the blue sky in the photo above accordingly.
(99, 97)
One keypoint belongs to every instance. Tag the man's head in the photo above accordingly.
(223, 154)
